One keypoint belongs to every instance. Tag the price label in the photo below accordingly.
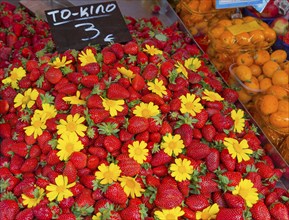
(236, 3)
(79, 26)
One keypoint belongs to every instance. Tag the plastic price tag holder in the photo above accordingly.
(79, 26)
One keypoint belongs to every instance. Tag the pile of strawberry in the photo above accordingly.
(28, 164)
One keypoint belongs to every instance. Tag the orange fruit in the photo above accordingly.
(256, 70)
(279, 119)
(193, 5)
(285, 66)
(261, 57)
(243, 72)
(225, 22)
(227, 38)
(238, 21)
(243, 39)
(280, 77)
(269, 35)
(257, 36)
(279, 56)
(217, 31)
(261, 77)
(270, 67)
(265, 84)
(205, 6)
(244, 97)
(252, 85)
(268, 104)
(245, 59)
(283, 105)
(248, 19)
(277, 91)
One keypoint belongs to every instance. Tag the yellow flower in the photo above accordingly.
(138, 151)
(107, 174)
(240, 150)
(60, 190)
(208, 213)
(146, 110)
(38, 194)
(239, 121)
(193, 64)
(37, 125)
(181, 69)
(73, 124)
(169, 214)
(26, 100)
(113, 106)
(131, 187)
(246, 190)
(74, 100)
(181, 169)
(190, 104)
(212, 96)
(58, 63)
(172, 144)
(67, 144)
(15, 75)
(86, 57)
(97, 216)
(157, 87)
(127, 73)
(48, 110)
(151, 50)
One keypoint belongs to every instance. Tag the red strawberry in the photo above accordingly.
(42, 211)
(150, 72)
(213, 160)
(111, 143)
(198, 150)
(168, 195)
(186, 133)
(227, 160)
(70, 171)
(197, 202)
(4, 106)
(5, 130)
(255, 179)
(53, 75)
(66, 216)
(230, 95)
(84, 199)
(128, 166)
(218, 197)
(202, 118)
(230, 213)
(74, 77)
(79, 159)
(26, 214)
(9, 209)
(116, 194)
(29, 165)
(152, 97)
(134, 212)
(233, 177)
(89, 81)
(184, 187)
(234, 201)
(91, 68)
(221, 122)
(66, 88)
(117, 48)
(131, 48)
(98, 115)
(264, 170)
(108, 57)
(137, 125)
(138, 82)
(20, 149)
(279, 211)
(116, 91)
(208, 132)
(142, 58)
(260, 211)
(208, 184)
(160, 158)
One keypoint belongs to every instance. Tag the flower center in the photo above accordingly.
(107, 175)
(170, 216)
(189, 105)
(26, 99)
(71, 126)
(69, 148)
(138, 151)
(172, 145)
(37, 124)
(130, 184)
(238, 148)
(182, 169)
(145, 112)
(60, 189)
(205, 215)
(14, 76)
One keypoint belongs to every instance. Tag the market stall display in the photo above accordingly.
(141, 130)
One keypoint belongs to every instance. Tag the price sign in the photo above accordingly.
(76, 27)
(236, 3)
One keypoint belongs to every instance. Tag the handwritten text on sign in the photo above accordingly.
(76, 27)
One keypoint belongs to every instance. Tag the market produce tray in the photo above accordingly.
(167, 15)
